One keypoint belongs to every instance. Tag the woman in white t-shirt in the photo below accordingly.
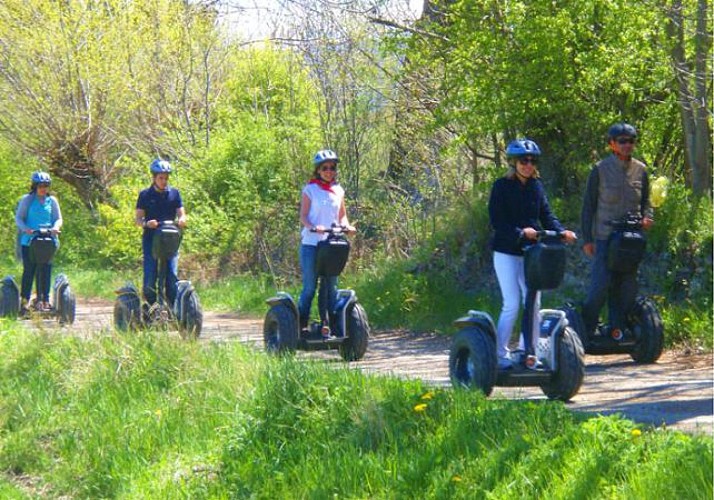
(322, 205)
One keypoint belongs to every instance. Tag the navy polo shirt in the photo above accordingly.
(514, 206)
(158, 205)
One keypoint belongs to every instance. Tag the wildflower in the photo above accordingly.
(420, 408)
(636, 433)
(428, 395)
(158, 412)
(456, 479)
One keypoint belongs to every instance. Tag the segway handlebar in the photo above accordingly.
(631, 222)
(549, 233)
(335, 229)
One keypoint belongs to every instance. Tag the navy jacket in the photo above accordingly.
(514, 206)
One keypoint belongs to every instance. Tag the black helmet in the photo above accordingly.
(621, 129)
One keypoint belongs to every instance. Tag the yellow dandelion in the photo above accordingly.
(428, 395)
(158, 412)
(420, 408)
(456, 479)
(636, 433)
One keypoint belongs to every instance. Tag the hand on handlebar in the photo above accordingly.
(530, 234)
(647, 223)
(152, 224)
(569, 236)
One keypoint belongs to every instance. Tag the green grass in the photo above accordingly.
(150, 416)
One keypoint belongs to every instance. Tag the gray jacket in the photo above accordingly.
(614, 189)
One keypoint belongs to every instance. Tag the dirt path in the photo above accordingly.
(677, 392)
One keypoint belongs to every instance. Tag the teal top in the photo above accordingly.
(35, 214)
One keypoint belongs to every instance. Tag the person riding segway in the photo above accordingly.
(526, 260)
(323, 254)
(616, 210)
(160, 212)
(39, 220)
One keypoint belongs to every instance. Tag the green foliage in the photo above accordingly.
(126, 415)
(86, 83)
(150, 416)
(559, 73)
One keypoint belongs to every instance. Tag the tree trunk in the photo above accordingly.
(693, 102)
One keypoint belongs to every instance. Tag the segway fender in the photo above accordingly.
(552, 326)
(9, 298)
(344, 299)
(478, 319)
(64, 300)
(187, 310)
(284, 298)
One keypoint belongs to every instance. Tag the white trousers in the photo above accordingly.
(512, 280)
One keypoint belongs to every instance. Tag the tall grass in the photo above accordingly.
(149, 416)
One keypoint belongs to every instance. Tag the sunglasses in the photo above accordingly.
(626, 140)
(43, 185)
(331, 167)
(528, 160)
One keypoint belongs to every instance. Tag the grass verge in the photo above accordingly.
(150, 416)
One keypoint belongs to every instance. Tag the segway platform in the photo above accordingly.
(519, 376)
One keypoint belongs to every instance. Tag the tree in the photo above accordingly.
(85, 84)
(692, 72)
(558, 72)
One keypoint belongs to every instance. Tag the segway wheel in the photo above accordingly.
(570, 373)
(191, 323)
(127, 312)
(68, 307)
(646, 323)
(9, 298)
(354, 347)
(472, 360)
(280, 331)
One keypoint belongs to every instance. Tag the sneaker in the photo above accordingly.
(532, 363)
(504, 364)
(325, 331)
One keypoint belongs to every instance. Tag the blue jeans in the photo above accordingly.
(327, 297)
(31, 270)
(618, 289)
(151, 275)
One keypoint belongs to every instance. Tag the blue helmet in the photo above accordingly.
(522, 147)
(159, 166)
(621, 129)
(325, 155)
(41, 177)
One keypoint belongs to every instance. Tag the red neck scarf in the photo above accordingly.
(327, 186)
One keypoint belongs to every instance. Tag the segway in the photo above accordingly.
(348, 320)
(62, 303)
(130, 313)
(559, 353)
(643, 335)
